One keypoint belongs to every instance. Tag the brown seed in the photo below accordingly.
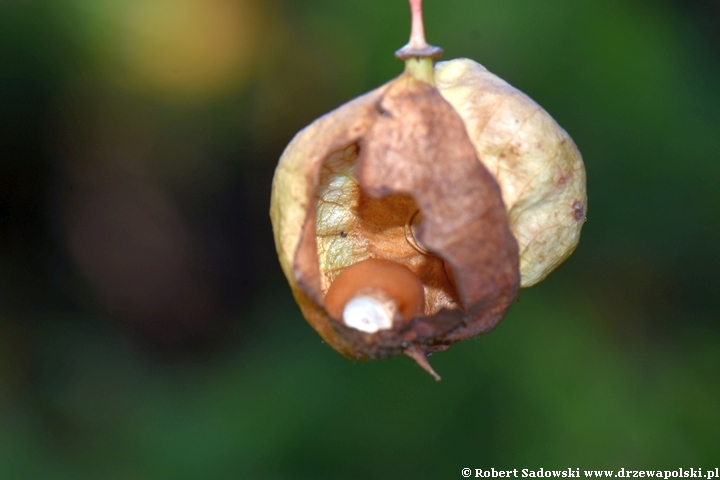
(385, 281)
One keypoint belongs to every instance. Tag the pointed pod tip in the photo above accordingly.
(419, 354)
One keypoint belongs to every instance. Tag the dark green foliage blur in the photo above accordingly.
(146, 331)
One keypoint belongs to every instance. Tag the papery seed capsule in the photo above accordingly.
(405, 219)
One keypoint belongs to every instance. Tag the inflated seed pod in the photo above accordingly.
(407, 219)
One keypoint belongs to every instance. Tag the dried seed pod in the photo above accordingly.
(395, 221)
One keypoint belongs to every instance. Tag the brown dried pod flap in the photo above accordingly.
(418, 146)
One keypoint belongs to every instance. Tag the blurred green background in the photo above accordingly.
(146, 331)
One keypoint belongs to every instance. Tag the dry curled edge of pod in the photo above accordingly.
(407, 219)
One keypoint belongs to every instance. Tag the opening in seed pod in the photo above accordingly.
(353, 226)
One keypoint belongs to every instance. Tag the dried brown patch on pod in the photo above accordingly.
(394, 235)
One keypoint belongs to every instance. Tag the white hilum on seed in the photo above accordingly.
(367, 314)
